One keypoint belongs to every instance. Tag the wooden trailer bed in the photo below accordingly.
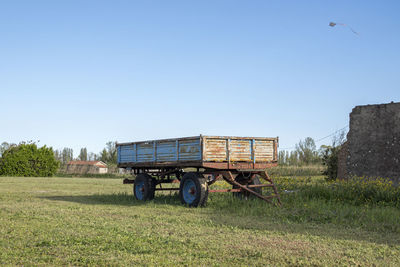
(238, 160)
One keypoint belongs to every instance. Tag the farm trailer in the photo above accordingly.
(240, 161)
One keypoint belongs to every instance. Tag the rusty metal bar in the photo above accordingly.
(266, 177)
(166, 189)
(239, 189)
(224, 190)
(205, 164)
(128, 181)
(162, 174)
(229, 178)
(259, 185)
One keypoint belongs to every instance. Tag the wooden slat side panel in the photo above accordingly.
(215, 150)
(264, 150)
(145, 152)
(126, 154)
(189, 150)
(240, 150)
(166, 151)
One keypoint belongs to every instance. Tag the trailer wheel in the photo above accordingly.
(144, 187)
(193, 190)
(244, 181)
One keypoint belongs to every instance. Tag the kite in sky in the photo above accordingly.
(333, 24)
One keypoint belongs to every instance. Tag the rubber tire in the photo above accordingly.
(242, 180)
(201, 189)
(149, 186)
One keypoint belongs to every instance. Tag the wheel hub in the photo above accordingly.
(192, 191)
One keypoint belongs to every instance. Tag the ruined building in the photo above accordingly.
(373, 143)
(86, 167)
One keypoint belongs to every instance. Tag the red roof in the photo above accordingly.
(82, 162)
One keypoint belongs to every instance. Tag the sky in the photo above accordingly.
(81, 73)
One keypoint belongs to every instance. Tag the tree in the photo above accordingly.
(330, 156)
(58, 155)
(282, 157)
(26, 159)
(83, 155)
(104, 155)
(307, 151)
(4, 146)
(64, 156)
(92, 156)
(111, 152)
(67, 155)
(293, 158)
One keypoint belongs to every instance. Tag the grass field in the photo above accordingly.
(308, 170)
(88, 221)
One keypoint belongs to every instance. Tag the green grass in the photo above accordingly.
(356, 191)
(307, 170)
(78, 221)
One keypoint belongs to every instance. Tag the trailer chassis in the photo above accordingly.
(194, 185)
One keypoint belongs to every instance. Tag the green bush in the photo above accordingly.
(26, 159)
(330, 160)
(309, 170)
(354, 191)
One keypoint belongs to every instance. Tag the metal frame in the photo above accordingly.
(164, 176)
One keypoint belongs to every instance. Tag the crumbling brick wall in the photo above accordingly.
(373, 142)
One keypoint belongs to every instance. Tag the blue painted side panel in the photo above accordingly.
(118, 154)
(126, 154)
(161, 151)
(145, 152)
(189, 150)
(166, 151)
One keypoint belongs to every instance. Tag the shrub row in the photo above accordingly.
(26, 159)
(309, 170)
(357, 190)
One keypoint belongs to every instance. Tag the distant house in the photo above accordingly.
(83, 167)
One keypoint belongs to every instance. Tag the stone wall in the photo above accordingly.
(373, 142)
(342, 159)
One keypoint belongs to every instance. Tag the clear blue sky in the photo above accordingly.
(81, 73)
